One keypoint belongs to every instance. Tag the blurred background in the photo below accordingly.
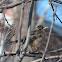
(42, 15)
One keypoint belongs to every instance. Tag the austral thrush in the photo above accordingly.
(38, 36)
(36, 39)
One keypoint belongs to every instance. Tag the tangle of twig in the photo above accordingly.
(28, 33)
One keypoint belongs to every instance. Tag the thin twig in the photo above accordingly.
(58, 50)
(28, 33)
(7, 22)
(50, 57)
(60, 2)
(49, 36)
(13, 4)
(56, 14)
(59, 60)
(7, 33)
(43, 16)
(20, 24)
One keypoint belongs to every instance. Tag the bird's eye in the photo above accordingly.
(40, 27)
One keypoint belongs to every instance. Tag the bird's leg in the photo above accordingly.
(39, 51)
(32, 49)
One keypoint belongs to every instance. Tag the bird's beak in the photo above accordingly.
(45, 27)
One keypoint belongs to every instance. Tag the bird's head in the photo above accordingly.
(40, 27)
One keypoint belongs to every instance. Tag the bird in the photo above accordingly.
(38, 36)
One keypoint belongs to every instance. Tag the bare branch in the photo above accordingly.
(13, 4)
(50, 57)
(60, 2)
(7, 22)
(43, 16)
(58, 50)
(49, 36)
(28, 33)
(59, 60)
(56, 14)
